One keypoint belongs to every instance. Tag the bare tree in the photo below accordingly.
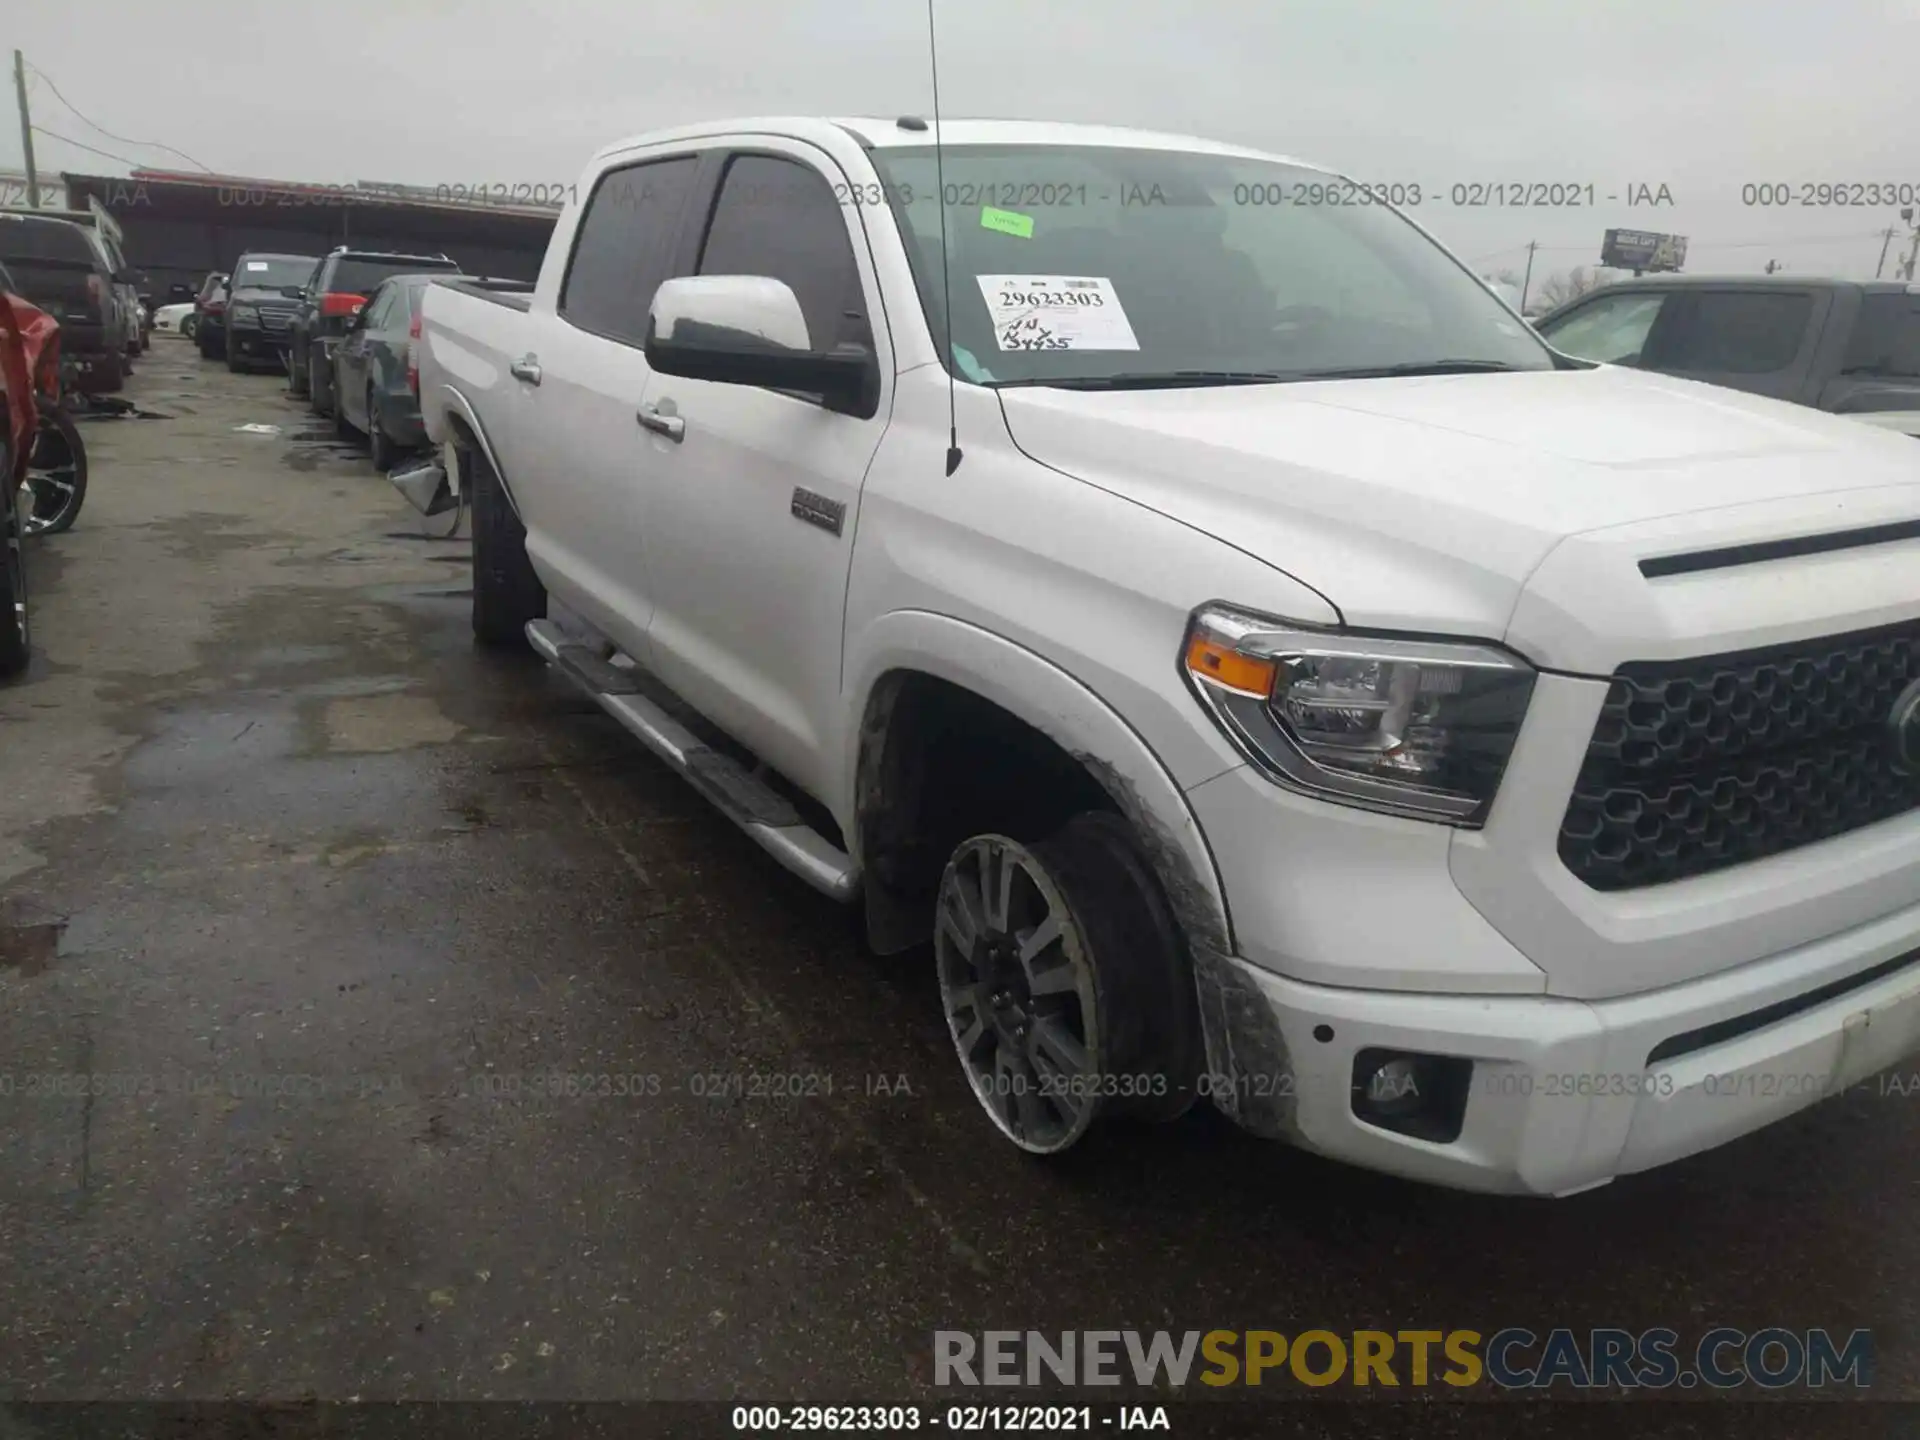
(1568, 285)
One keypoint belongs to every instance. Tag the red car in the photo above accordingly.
(29, 367)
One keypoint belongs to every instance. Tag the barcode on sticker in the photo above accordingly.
(1083, 285)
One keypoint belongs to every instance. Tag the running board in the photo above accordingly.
(768, 817)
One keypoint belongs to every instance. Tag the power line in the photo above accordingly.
(121, 139)
(82, 145)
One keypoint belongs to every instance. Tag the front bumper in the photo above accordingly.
(1562, 1095)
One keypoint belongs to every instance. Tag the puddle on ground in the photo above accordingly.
(373, 724)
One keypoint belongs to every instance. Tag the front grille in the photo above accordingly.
(1701, 764)
(275, 319)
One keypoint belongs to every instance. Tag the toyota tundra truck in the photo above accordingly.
(1168, 590)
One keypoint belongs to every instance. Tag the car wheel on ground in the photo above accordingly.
(296, 375)
(57, 474)
(342, 426)
(379, 447)
(234, 363)
(189, 327)
(1066, 988)
(16, 638)
(319, 386)
(506, 592)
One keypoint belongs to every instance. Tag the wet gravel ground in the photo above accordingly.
(323, 898)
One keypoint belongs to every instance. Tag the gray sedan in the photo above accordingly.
(374, 382)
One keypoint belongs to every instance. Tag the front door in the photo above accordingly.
(752, 510)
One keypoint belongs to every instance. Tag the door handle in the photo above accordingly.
(525, 368)
(654, 419)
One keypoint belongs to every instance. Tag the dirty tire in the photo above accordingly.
(189, 327)
(296, 378)
(1057, 966)
(319, 386)
(506, 592)
(379, 447)
(15, 621)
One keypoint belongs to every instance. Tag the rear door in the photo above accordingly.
(575, 447)
(350, 357)
(1760, 339)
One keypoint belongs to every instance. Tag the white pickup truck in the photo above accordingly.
(1159, 578)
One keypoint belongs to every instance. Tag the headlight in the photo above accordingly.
(248, 313)
(1409, 727)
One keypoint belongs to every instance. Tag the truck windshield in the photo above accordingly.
(1107, 266)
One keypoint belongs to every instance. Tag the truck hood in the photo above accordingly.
(1427, 503)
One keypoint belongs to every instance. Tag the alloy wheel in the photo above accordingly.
(1017, 985)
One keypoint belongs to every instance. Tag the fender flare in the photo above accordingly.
(461, 409)
(1040, 693)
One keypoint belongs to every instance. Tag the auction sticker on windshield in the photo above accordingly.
(1056, 312)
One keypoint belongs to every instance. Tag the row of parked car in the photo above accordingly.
(341, 327)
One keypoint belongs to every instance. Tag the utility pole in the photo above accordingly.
(1886, 239)
(1772, 265)
(26, 128)
(1527, 279)
(1913, 251)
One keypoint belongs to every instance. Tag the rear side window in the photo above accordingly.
(624, 247)
(23, 239)
(1887, 339)
(779, 218)
(1735, 332)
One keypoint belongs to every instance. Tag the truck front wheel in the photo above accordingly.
(506, 592)
(1066, 989)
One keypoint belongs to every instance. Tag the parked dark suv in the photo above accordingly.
(339, 288)
(61, 267)
(260, 306)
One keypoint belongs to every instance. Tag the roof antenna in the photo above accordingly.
(946, 269)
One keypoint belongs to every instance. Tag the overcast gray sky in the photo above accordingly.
(1702, 96)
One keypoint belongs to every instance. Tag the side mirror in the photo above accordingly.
(750, 330)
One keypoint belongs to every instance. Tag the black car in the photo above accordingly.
(376, 389)
(61, 268)
(260, 306)
(337, 291)
(1851, 347)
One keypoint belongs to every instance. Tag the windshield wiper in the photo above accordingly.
(1164, 380)
(1419, 367)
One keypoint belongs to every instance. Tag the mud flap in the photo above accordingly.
(425, 487)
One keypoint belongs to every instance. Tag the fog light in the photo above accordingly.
(1424, 1096)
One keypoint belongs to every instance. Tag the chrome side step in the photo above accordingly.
(766, 815)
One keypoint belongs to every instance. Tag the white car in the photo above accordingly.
(167, 318)
(1253, 661)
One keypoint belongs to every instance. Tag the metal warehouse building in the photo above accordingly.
(179, 226)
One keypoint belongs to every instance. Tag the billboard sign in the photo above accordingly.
(1642, 250)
